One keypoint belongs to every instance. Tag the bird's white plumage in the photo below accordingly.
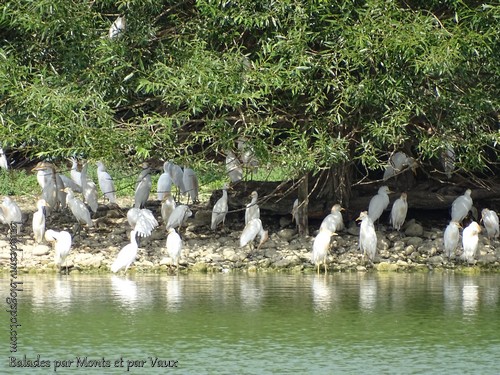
(399, 211)
(461, 206)
(448, 161)
(470, 241)
(295, 211)
(333, 222)
(220, 209)
(451, 238)
(143, 187)
(321, 245)
(378, 203)
(62, 244)
(367, 236)
(76, 176)
(233, 167)
(251, 231)
(78, 208)
(397, 163)
(118, 27)
(177, 175)
(89, 189)
(178, 216)
(164, 184)
(142, 221)
(38, 221)
(167, 207)
(126, 256)
(106, 183)
(12, 213)
(190, 181)
(4, 164)
(252, 210)
(491, 223)
(174, 246)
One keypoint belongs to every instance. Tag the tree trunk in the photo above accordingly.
(303, 215)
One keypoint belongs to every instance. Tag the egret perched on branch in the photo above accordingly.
(127, 255)
(106, 183)
(190, 182)
(398, 162)
(220, 209)
(143, 187)
(178, 216)
(174, 246)
(367, 236)
(251, 231)
(321, 246)
(247, 155)
(490, 221)
(461, 206)
(470, 241)
(118, 27)
(12, 213)
(142, 221)
(448, 161)
(164, 184)
(167, 207)
(39, 221)
(333, 221)
(398, 212)
(252, 211)
(89, 189)
(451, 238)
(62, 245)
(78, 209)
(378, 203)
(233, 167)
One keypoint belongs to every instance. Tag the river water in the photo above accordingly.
(355, 323)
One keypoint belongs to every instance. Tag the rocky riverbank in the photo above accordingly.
(416, 248)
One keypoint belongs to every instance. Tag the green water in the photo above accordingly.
(259, 324)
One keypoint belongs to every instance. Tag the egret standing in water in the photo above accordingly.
(220, 209)
(106, 183)
(321, 246)
(333, 221)
(367, 236)
(62, 245)
(252, 211)
(399, 211)
(470, 241)
(251, 231)
(126, 256)
(174, 246)
(461, 206)
(451, 238)
(491, 223)
(378, 203)
(39, 221)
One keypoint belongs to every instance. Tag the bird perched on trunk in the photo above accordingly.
(106, 183)
(78, 209)
(178, 216)
(39, 221)
(220, 209)
(367, 236)
(491, 223)
(398, 212)
(470, 241)
(252, 211)
(167, 207)
(127, 255)
(174, 246)
(251, 231)
(321, 246)
(62, 245)
(461, 206)
(378, 203)
(333, 221)
(451, 238)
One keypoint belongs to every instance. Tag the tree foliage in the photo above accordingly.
(310, 84)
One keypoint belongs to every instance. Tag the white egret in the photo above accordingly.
(143, 187)
(333, 221)
(78, 209)
(4, 164)
(247, 155)
(89, 189)
(167, 207)
(233, 167)
(251, 231)
(252, 210)
(191, 185)
(177, 176)
(51, 184)
(448, 161)
(461, 206)
(378, 203)
(49, 194)
(398, 162)
(321, 246)
(12, 214)
(164, 184)
(295, 212)
(68, 182)
(127, 255)
(491, 223)
(367, 236)
(220, 209)
(399, 211)
(39, 221)
(76, 176)
(118, 27)
(174, 246)
(106, 183)
(142, 221)
(62, 245)
(451, 238)
(470, 241)
(178, 216)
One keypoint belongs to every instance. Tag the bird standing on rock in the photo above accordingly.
(220, 209)
(106, 183)
(178, 216)
(62, 245)
(333, 221)
(251, 231)
(451, 238)
(174, 246)
(143, 187)
(321, 245)
(461, 206)
(39, 221)
(378, 203)
(167, 207)
(164, 184)
(78, 209)
(491, 223)
(470, 241)
(367, 236)
(399, 211)
(252, 211)
(11, 213)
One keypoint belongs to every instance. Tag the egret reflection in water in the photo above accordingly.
(251, 293)
(174, 293)
(368, 293)
(470, 297)
(125, 291)
(322, 293)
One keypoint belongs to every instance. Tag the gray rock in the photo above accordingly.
(414, 230)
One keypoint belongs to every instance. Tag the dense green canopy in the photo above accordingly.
(310, 84)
